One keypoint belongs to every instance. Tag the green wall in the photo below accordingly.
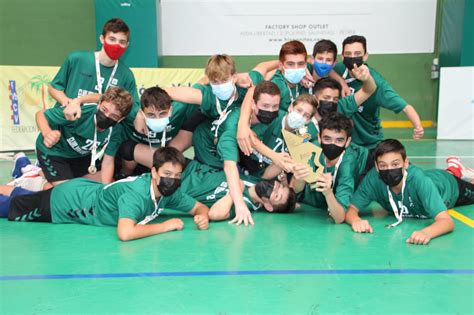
(42, 33)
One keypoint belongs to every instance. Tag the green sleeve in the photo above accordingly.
(345, 183)
(256, 77)
(180, 201)
(366, 192)
(227, 145)
(116, 140)
(208, 99)
(386, 95)
(61, 79)
(347, 106)
(339, 68)
(55, 117)
(131, 206)
(429, 196)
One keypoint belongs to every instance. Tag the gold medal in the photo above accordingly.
(215, 141)
(92, 169)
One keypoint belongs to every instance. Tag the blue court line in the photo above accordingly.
(240, 273)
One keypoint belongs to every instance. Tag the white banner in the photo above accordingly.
(260, 27)
(456, 103)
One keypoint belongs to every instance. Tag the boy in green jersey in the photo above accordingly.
(84, 76)
(68, 149)
(409, 192)
(335, 187)
(367, 127)
(161, 119)
(129, 204)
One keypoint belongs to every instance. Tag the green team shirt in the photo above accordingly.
(343, 187)
(180, 113)
(367, 124)
(77, 76)
(206, 152)
(210, 101)
(208, 185)
(77, 136)
(288, 95)
(88, 202)
(426, 194)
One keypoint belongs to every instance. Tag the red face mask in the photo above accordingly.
(114, 51)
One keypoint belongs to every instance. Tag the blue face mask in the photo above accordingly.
(294, 76)
(223, 91)
(295, 120)
(157, 124)
(322, 69)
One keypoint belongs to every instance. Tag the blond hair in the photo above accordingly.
(220, 68)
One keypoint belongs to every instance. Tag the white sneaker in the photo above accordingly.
(467, 173)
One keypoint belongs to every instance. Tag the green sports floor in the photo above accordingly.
(297, 263)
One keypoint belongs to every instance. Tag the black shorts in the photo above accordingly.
(56, 168)
(34, 207)
(195, 120)
(466, 192)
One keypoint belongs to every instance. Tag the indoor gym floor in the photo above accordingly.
(297, 263)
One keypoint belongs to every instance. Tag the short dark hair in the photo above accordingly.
(355, 39)
(168, 154)
(325, 83)
(390, 145)
(116, 25)
(325, 45)
(155, 97)
(289, 205)
(336, 121)
(293, 47)
(265, 87)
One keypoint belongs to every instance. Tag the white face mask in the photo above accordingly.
(295, 120)
(223, 91)
(157, 124)
(294, 76)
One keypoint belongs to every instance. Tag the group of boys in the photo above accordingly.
(108, 157)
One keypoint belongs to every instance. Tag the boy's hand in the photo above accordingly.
(284, 161)
(201, 221)
(300, 171)
(72, 111)
(308, 80)
(418, 132)
(174, 224)
(242, 215)
(244, 80)
(51, 138)
(346, 90)
(140, 124)
(361, 73)
(324, 183)
(362, 226)
(245, 139)
(418, 238)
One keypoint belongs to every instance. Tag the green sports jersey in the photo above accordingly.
(180, 113)
(426, 194)
(77, 76)
(210, 101)
(77, 136)
(205, 149)
(288, 95)
(344, 184)
(367, 124)
(208, 185)
(88, 202)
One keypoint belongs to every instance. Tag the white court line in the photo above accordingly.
(439, 157)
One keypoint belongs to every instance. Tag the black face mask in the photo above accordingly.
(391, 177)
(167, 185)
(103, 122)
(266, 117)
(350, 61)
(264, 188)
(326, 107)
(332, 151)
